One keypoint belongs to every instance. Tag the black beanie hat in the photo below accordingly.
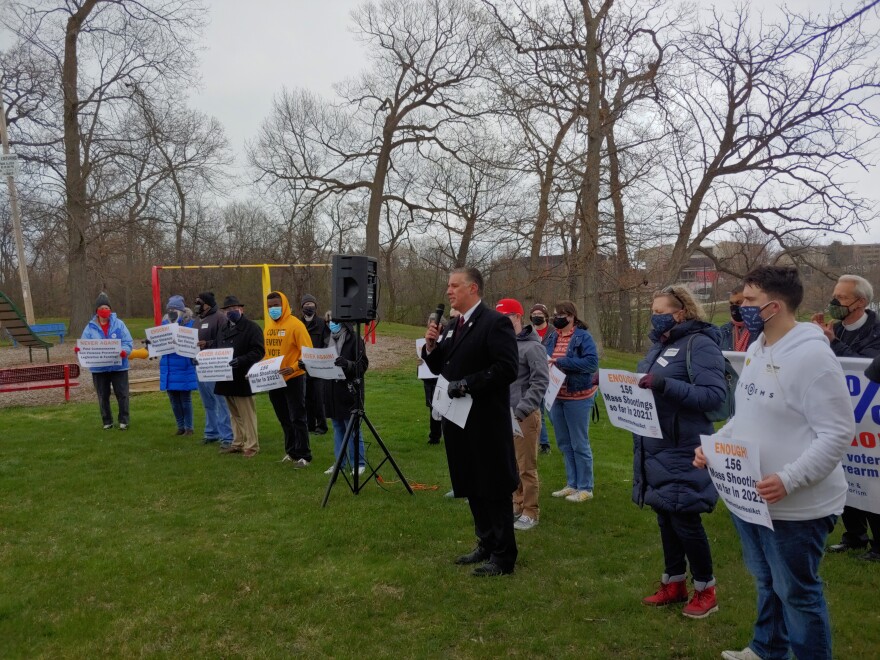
(308, 298)
(208, 298)
(102, 299)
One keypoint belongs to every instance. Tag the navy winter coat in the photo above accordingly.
(581, 359)
(664, 477)
(177, 373)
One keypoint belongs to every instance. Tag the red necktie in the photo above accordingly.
(458, 327)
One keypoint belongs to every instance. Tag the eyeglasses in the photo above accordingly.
(670, 291)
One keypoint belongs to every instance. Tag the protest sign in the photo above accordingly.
(161, 340)
(455, 410)
(517, 429)
(99, 352)
(265, 375)
(424, 372)
(861, 462)
(320, 363)
(557, 378)
(735, 469)
(629, 407)
(186, 341)
(213, 365)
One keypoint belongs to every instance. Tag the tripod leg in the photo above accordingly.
(387, 453)
(338, 464)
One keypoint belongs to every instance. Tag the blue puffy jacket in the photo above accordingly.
(176, 372)
(581, 359)
(664, 477)
(117, 330)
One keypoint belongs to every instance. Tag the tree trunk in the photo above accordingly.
(624, 270)
(377, 191)
(467, 236)
(76, 192)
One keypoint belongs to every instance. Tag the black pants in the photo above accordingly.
(856, 522)
(493, 523)
(685, 541)
(436, 425)
(118, 380)
(290, 409)
(315, 415)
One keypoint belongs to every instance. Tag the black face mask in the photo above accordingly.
(199, 308)
(560, 322)
(735, 313)
(308, 312)
(538, 320)
(173, 316)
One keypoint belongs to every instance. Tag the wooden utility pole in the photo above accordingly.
(16, 226)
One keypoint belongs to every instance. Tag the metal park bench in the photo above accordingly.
(16, 326)
(46, 330)
(20, 379)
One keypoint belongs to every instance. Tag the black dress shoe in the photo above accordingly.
(844, 546)
(476, 557)
(489, 569)
(870, 555)
(433, 441)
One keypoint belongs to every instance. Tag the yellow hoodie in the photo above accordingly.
(286, 337)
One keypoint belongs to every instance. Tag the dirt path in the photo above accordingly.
(386, 353)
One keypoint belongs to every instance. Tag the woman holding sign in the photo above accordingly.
(105, 325)
(685, 370)
(177, 373)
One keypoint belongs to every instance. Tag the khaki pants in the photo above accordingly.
(525, 498)
(243, 415)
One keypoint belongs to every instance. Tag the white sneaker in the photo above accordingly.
(301, 463)
(123, 427)
(525, 522)
(286, 458)
(107, 427)
(746, 654)
(579, 496)
(361, 470)
(329, 470)
(565, 492)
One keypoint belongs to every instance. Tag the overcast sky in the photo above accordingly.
(254, 50)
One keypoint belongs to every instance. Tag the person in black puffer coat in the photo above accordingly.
(664, 476)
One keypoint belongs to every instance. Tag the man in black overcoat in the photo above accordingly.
(478, 356)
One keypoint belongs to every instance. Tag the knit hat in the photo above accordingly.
(176, 302)
(208, 298)
(509, 306)
(103, 299)
(308, 298)
(231, 301)
(540, 308)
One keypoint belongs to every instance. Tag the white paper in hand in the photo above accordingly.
(265, 375)
(424, 372)
(99, 352)
(455, 410)
(320, 363)
(213, 365)
(735, 470)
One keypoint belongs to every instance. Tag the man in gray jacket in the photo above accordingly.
(526, 394)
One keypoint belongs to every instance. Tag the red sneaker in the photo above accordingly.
(702, 604)
(668, 593)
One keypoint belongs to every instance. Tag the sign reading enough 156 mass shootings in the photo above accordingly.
(735, 469)
(861, 461)
(265, 375)
(99, 352)
(629, 407)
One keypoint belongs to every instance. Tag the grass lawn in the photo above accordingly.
(145, 544)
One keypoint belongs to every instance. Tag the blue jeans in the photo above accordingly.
(182, 407)
(792, 614)
(217, 424)
(571, 421)
(339, 424)
(543, 439)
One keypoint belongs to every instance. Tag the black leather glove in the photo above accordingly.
(147, 342)
(457, 389)
(654, 382)
(343, 364)
(194, 361)
(234, 363)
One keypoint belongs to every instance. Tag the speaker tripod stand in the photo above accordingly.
(353, 434)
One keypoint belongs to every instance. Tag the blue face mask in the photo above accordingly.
(274, 313)
(334, 327)
(751, 316)
(234, 315)
(662, 323)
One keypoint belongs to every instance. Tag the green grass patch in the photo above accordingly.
(146, 544)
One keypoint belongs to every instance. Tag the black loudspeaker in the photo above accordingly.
(355, 285)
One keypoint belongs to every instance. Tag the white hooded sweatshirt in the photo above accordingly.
(792, 401)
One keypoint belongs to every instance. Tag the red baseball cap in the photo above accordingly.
(509, 306)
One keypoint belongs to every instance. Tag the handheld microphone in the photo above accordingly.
(438, 314)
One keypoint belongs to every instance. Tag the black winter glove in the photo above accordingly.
(654, 382)
(194, 361)
(457, 389)
(873, 371)
(234, 362)
(301, 365)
